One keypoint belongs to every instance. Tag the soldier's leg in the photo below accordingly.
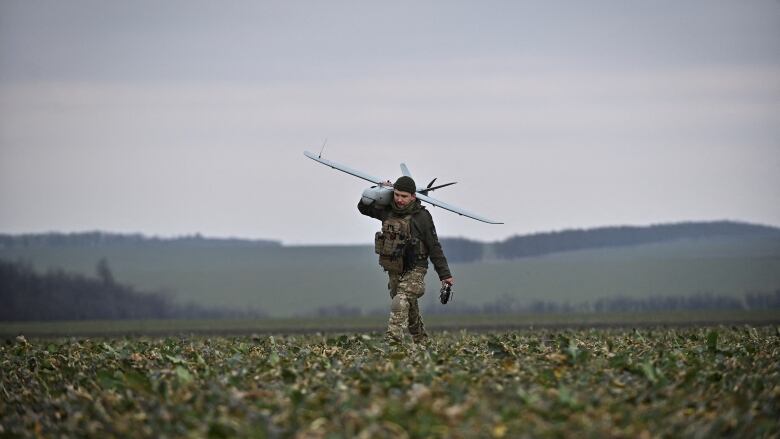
(399, 318)
(413, 283)
(398, 311)
(416, 326)
(392, 284)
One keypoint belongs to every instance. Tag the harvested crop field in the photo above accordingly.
(694, 382)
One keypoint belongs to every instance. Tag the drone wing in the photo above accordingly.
(451, 208)
(343, 168)
(405, 171)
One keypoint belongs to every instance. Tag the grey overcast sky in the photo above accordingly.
(178, 117)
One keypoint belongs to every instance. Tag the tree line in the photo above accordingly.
(511, 305)
(693, 302)
(103, 239)
(57, 295)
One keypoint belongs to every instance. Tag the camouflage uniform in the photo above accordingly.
(407, 287)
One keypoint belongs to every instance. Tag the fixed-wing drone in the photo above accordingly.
(383, 194)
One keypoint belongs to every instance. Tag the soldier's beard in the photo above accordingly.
(397, 208)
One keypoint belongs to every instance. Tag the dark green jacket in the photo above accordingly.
(422, 229)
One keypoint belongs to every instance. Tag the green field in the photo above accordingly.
(654, 382)
(289, 281)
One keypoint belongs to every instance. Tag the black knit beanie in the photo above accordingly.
(405, 184)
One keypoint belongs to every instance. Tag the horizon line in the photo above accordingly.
(200, 235)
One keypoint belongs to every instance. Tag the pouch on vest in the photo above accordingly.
(390, 244)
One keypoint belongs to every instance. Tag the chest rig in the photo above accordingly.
(398, 250)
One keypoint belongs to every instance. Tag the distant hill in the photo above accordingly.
(568, 240)
(104, 239)
(690, 259)
(523, 246)
(457, 249)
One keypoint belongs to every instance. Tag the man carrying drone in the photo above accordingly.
(408, 238)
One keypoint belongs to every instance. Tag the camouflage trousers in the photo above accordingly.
(405, 289)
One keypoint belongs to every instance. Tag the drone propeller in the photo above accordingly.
(429, 188)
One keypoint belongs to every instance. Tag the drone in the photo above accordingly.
(382, 194)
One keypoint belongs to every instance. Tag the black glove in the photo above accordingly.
(446, 293)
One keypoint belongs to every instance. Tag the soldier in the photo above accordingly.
(408, 238)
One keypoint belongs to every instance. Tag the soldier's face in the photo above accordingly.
(403, 198)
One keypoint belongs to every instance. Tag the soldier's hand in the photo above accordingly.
(446, 294)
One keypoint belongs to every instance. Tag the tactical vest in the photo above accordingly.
(397, 249)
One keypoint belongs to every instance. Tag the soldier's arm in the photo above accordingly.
(435, 253)
(371, 210)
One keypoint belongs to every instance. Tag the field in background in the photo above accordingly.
(377, 323)
(289, 281)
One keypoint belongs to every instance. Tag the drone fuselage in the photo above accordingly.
(381, 195)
